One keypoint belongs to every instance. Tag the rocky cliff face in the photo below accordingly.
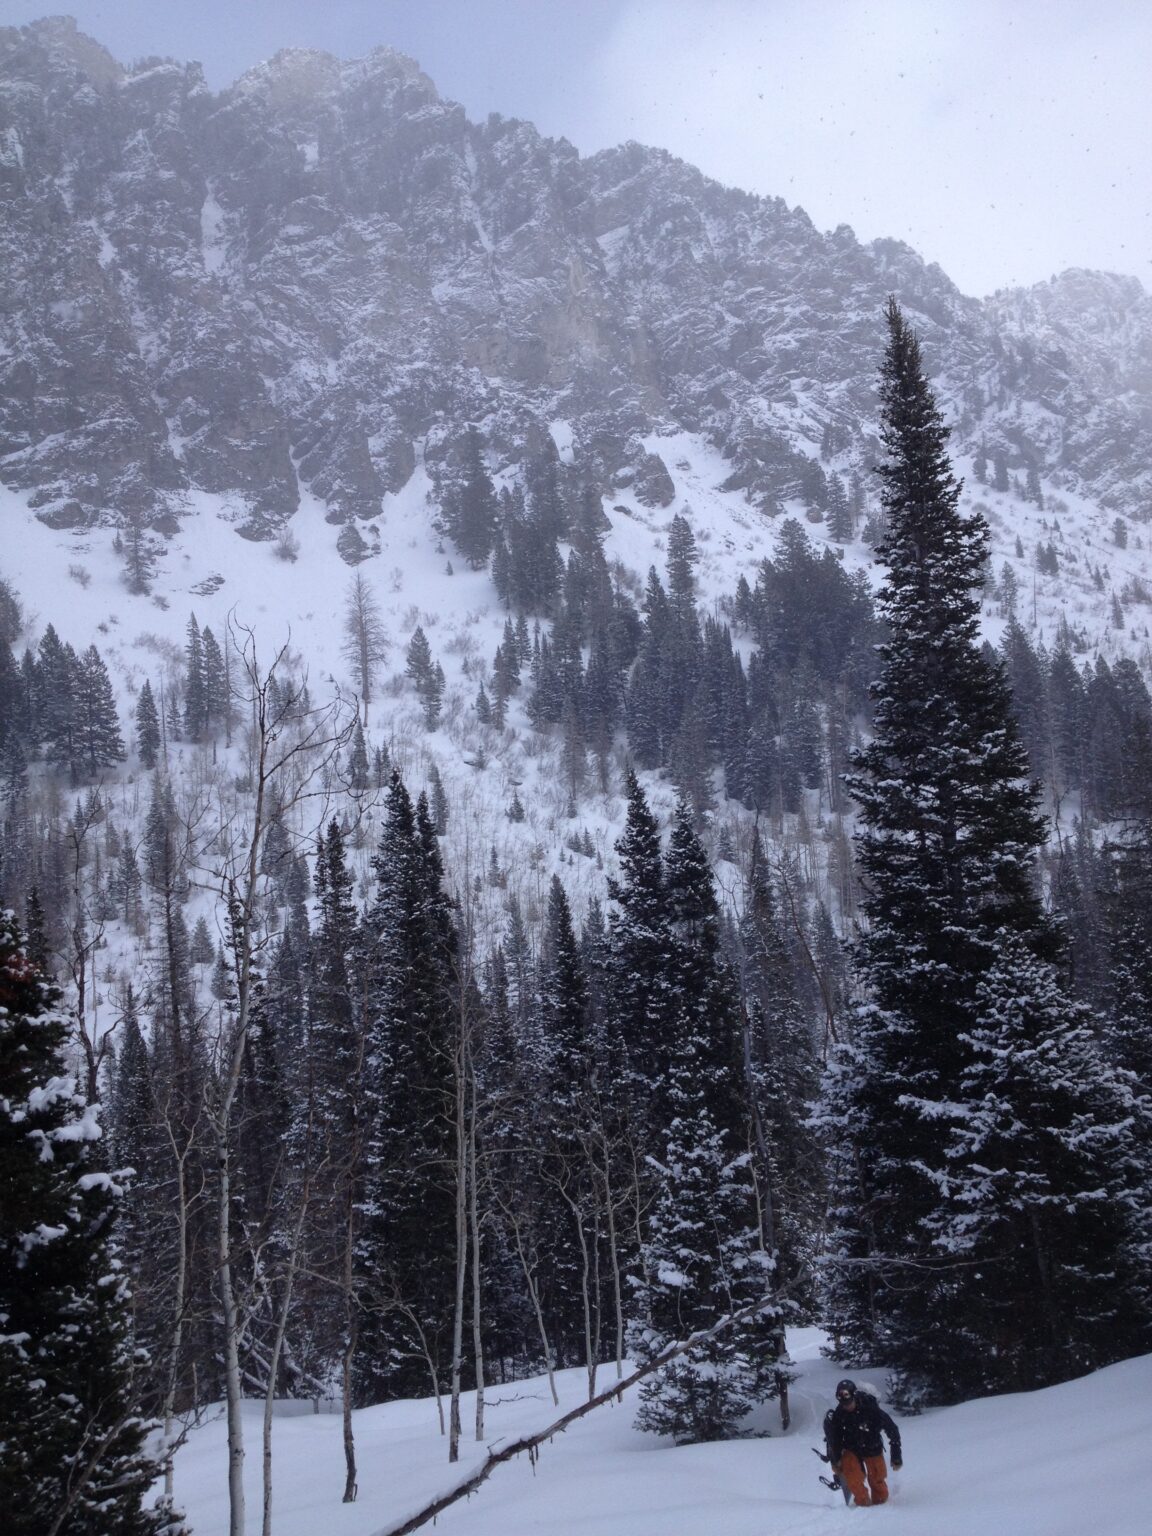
(326, 270)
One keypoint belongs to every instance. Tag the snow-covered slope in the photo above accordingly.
(1061, 1462)
(73, 579)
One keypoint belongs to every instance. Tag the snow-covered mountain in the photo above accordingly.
(242, 338)
(271, 313)
(312, 279)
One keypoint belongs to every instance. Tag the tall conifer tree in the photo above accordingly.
(949, 832)
(703, 1254)
(406, 1246)
(72, 1455)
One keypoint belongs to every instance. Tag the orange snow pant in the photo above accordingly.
(853, 1472)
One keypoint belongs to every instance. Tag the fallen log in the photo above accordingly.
(531, 1443)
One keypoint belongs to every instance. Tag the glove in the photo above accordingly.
(897, 1461)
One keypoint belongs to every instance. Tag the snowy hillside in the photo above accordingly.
(1054, 1463)
(73, 580)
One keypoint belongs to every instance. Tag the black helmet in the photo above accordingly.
(845, 1389)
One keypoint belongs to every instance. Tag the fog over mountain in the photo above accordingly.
(317, 276)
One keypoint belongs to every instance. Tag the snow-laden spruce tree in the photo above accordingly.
(407, 1218)
(703, 1254)
(949, 828)
(1044, 1191)
(72, 1457)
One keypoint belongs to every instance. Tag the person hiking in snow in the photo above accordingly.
(852, 1435)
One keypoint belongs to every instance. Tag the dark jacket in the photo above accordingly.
(859, 1430)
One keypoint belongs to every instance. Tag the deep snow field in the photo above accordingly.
(1068, 1461)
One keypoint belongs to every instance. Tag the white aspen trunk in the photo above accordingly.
(597, 1315)
(474, 1215)
(461, 1256)
(534, 1294)
(179, 1302)
(586, 1299)
(233, 1387)
(351, 1332)
(614, 1256)
(289, 1281)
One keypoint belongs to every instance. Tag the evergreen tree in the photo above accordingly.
(72, 1455)
(13, 718)
(949, 830)
(11, 615)
(1066, 713)
(439, 801)
(703, 1254)
(97, 736)
(147, 727)
(551, 1177)
(1128, 929)
(683, 557)
(530, 567)
(195, 687)
(217, 703)
(588, 592)
(427, 675)
(839, 511)
(407, 1240)
(641, 944)
(470, 508)
(140, 1142)
(358, 761)
(1045, 1192)
(783, 1080)
(1026, 676)
(56, 676)
(650, 727)
(542, 483)
(327, 1130)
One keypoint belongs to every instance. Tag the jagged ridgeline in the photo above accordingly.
(320, 274)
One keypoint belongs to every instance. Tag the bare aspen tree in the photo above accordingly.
(474, 1232)
(287, 1290)
(529, 1265)
(289, 746)
(365, 637)
(462, 1148)
(187, 1199)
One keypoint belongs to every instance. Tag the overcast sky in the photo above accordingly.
(1005, 139)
